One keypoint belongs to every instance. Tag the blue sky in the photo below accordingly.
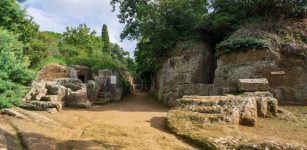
(56, 15)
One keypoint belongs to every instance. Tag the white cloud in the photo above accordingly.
(55, 15)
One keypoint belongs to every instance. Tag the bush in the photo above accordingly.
(239, 44)
(14, 70)
(10, 94)
(50, 60)
(96, 61)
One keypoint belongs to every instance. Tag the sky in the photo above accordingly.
(56, 15)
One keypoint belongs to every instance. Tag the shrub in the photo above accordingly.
(50, 60)
(14, 70)
(96, 61)
(10, 94)
(240, 44)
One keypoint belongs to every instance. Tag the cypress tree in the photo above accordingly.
(105, 39)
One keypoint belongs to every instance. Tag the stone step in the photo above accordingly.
(206, 109)
(102, 101)
(206, 100)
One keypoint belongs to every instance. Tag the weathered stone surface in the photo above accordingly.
(92, 89)
(248, 111)
(41, 105)
(185, 66)
(55, 71)
(103, 90)
(282, 64)
(266, 103)
(53, 94)
(241, 109)
(253, 85)
(78, 98)
(83, 73)
(14, 113)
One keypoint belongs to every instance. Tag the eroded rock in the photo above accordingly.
(252, 85)
(241, 109)
(45, 95)
(54, 71)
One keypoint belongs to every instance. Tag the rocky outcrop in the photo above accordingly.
(44, 95)
(189, 63)
(283, 62)
(241, 109)
(54, 71)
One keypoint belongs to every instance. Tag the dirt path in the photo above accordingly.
(138, 122)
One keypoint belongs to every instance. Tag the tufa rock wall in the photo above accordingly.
(55, 71)
(190, 63)
(283, 63)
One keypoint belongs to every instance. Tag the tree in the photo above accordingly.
(45, 45)
(158, 25)
(117, 52)
(82, 37)
(14, 70)
(105, 39)
(15, 19)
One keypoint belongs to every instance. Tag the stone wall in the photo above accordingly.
(83, 72)
(190, 62)
(103, 90)
(287, 83)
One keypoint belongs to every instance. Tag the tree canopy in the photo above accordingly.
(158, 25)
(15, 19)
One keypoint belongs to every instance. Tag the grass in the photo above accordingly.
(50, 60)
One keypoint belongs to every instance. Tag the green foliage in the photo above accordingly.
(158, 26)
(14, 70)
(117, 52)
(78, 45)
(10, 94)
(105, 39)
(14, 19)
(97, 61)
(242, 43)
(50, 60)
(228, 15)
(44, 46)
(83, 38)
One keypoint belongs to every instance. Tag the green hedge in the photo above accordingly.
(240, 44)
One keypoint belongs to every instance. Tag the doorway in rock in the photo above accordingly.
(82, 78)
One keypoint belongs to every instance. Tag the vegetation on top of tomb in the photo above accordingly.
(158, 25)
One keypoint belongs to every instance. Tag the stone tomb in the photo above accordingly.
(109, 86)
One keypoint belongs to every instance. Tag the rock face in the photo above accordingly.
(107, 87)
(83, 72)
(283, 63)
(44, 95)
(55, 71)
(190, 63)
(287, 84)
(241, 109)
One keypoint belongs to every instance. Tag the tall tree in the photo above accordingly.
(15, 19)
(83, 37)
(105, 39)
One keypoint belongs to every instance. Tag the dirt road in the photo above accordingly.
(138, 122)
